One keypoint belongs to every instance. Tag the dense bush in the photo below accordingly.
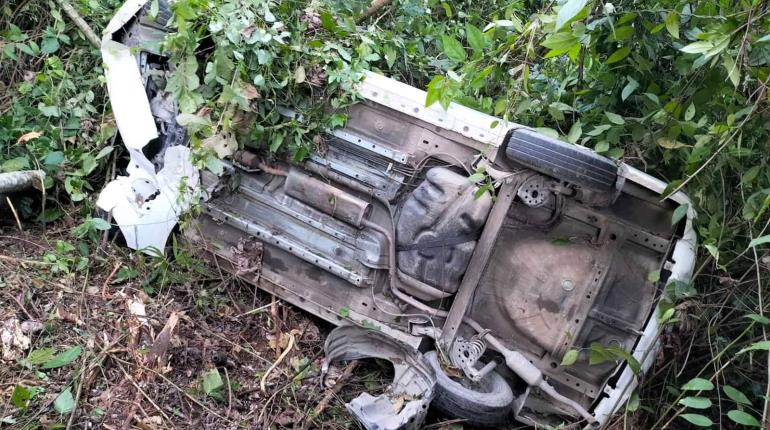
(676, 88)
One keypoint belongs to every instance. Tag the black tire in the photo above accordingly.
(490, 404)
(561, 160)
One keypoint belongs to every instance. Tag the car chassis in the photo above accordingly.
(385, 236)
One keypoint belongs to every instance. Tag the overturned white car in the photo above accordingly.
(385, 235)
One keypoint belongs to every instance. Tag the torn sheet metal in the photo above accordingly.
(145, 204)
(405, 404)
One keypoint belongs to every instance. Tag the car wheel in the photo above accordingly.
(485, 403)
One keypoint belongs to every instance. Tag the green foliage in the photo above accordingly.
(64, 402)
(744, 418)
(678, 89)
(64, 358)
(264, 56)
(570, 357)
(211, 384)
(698, 420)
(22, 395)
(698, 384)
(52, 104)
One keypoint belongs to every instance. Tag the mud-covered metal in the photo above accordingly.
(327, 198)
(438, 226)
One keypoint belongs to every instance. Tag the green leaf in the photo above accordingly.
(698, 384)
(575, 132)
(344, 312)
(696, 402)
(690, 112)
(679, 213)
(672, 24)
(668, 143)
(732, 70)
(615, 118)
(104, 152)
(560, 41)
(736, 395)
(629, 89)
(743, 418)
(49, 45)
(602, 146)
(475, 37)
(599, 129)
(63, 358)
(618, 55)
(453, 48)
(328, 21)
(697, 47)
(64, 402)
(570, 357)
(654, 276)
(759, 241)
(154, 9)
(476, 177)
(40, 356)
(21, 396)
(758, 318)
(100, 224)
(633, 402)
(698, 420)
(666, 316)
(568, 11)
(750, 174)
(15, 164)
(757, 346)
(435, 90)
(211, 381)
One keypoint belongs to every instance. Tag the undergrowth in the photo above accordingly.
(675, 88)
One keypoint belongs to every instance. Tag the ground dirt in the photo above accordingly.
(222, 324)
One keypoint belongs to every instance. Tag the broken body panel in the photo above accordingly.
(384, 230)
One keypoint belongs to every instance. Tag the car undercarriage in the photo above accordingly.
(473, 253)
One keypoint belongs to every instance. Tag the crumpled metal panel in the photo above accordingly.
(412, 385)
(146, 203)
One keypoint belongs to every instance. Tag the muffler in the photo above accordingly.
(326, 198)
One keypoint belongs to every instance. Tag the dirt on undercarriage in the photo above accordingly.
(96, 337)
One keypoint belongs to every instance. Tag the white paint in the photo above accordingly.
(146, 204)
(411, 101)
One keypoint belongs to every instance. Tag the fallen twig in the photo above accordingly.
(278, 361)
(109, 278)
(78, 20)
(229, 393)
(78, 391)
(330, 393)
(15, 215)
(11, 182)
(23, 260)
(160, 345)
(373, 8)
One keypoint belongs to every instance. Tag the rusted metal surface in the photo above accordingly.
(326, 198)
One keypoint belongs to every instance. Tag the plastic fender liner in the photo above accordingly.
(561, 160)
(413, 378)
